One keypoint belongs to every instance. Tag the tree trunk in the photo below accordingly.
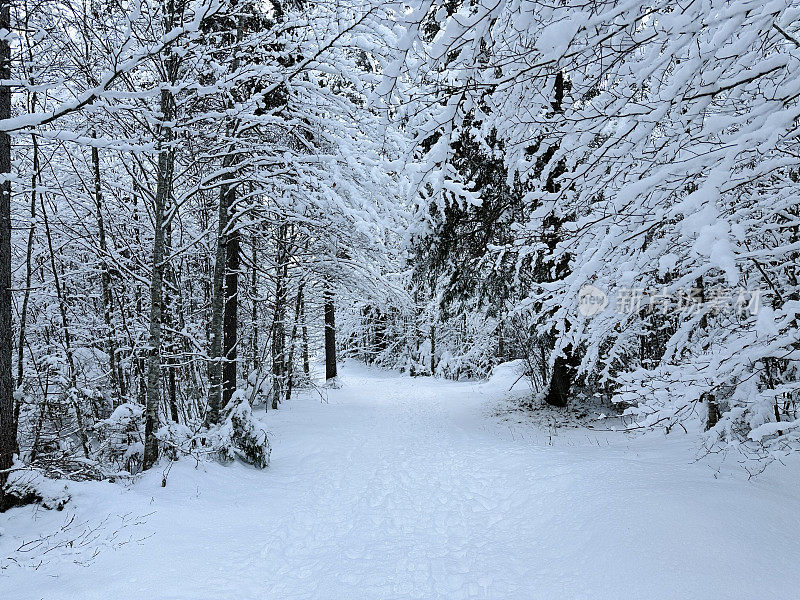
(278, 320)
(292, 343)
(713, 411)
(256, 362)
(222, 378)
(433, 349)
(231, 317)
(330, 336)
(171, 317)
(8, 432)
(218, 309)
(105, 277)
(138, 375)
(163, 193)
(561, 379)
(306, 365)
(23, 318)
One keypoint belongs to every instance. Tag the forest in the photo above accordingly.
(440, 244)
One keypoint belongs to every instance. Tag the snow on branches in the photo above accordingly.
(662, 140)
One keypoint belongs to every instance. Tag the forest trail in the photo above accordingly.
(399, 488)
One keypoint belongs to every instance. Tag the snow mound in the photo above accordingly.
(30, 486)
(507, 376)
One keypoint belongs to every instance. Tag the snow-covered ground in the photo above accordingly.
(409, 488)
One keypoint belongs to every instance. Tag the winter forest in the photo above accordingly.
(367, 299)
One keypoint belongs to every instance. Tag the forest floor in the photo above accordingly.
(395, 488)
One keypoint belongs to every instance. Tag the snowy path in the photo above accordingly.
(407, 488)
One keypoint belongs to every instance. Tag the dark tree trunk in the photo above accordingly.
(163, 193)
(561, 379)
(23, 317)
(278, 320)
(222, 379)
(306, 365)
(381, 343)
(171, 318)
(293, 343)
(713, 411)
(433, 349)
(8, 432)
(216, 334)
(231, 317)
(164, 182)
(256, 362)
(105, 277)
(330, 336)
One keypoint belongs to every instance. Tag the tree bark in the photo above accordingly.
(561, 379)
(105, 277)
(256, 362)
(163, 193)
(279, 318)
(231, 317)
(292, 343)
(218, 308)
(224, 317)
(330, 336)
(8, 432)
(171, 319)
(712, 413)
(23, 318)
(306, 365)
(433, 349)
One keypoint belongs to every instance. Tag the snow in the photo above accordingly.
(554, 40)
(123, 414)
(398, 487)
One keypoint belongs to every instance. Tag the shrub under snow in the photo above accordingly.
(241, 435)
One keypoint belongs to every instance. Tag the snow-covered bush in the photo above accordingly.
(241, 435)
(176, 439)
(29, 486)
(120, 437)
